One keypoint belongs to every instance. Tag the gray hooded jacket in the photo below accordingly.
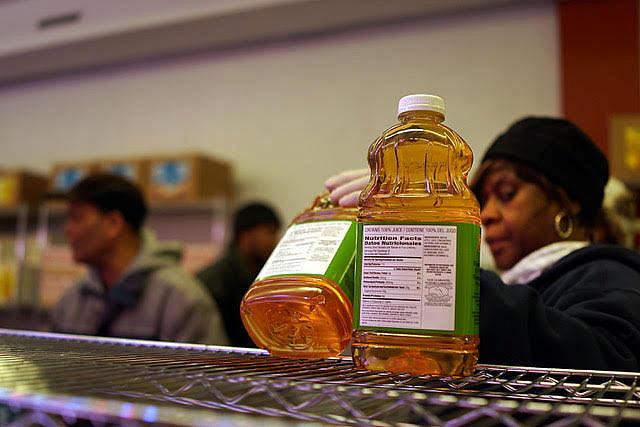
(154, 300)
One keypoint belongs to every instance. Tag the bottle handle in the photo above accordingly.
(322, 201)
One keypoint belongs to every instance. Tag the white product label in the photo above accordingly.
(306, 248)
(408, 276)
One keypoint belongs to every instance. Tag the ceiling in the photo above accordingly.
(42, 38)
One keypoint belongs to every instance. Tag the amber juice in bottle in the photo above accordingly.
(416, 285)
(300, 304)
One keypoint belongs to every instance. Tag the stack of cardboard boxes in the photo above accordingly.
(183, 177)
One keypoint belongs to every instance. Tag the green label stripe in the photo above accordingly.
(341, 268)
(467, 280)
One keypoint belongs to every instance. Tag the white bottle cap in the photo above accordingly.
(421, 102)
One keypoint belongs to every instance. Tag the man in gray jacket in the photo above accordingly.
(135, 287)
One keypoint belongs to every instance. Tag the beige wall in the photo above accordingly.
(287, 115)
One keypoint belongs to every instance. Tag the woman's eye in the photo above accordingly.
(507, 194)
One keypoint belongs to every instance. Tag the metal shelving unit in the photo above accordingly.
(15, 223)
(49, 378)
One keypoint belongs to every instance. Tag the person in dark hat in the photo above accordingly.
(135, 287)
(566, 174)
(256, 228)
(560, 299)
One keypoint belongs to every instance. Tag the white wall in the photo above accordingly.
(288, 115)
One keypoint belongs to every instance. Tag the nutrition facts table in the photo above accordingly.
(408, 276)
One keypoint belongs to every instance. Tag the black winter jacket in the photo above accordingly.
(583, 313)
(227, 280)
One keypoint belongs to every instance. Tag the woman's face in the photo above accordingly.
(517, 216)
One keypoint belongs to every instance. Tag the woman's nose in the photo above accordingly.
(490, 211)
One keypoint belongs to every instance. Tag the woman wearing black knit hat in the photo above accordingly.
(573, 303)
(560, 300)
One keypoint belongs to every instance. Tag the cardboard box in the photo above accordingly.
(189, 177)
(135, 169)
(65, 175)
(18, 187)
(624, 148)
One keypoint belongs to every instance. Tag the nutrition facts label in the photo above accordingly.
(408, 276)
(306, 248)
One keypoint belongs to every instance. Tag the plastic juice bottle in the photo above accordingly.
(300, 304)
(416, 285)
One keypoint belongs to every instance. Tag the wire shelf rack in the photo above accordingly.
(62, 378)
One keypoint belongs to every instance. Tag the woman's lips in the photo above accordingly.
(496, 244)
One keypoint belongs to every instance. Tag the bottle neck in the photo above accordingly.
(426, 115)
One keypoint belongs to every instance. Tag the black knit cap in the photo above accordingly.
(252, 215)
(562, 152)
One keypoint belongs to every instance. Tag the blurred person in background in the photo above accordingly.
(561, 300)
(256, 229)
(617, 223)
(135, 287)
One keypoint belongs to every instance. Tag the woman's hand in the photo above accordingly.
(345, 187)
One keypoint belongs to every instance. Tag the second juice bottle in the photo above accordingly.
(300, 304)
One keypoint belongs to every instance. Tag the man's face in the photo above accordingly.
(264, 238)
(90, 232)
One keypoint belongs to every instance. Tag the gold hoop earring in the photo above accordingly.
(563, 225)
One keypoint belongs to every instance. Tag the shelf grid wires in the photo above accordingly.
(179, 384)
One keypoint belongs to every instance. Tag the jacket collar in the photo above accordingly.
(127, 289)
(534, 264)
